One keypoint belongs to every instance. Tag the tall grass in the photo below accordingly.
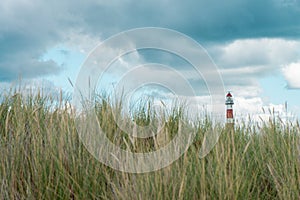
(42, 157)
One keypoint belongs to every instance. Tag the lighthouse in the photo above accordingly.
(229, 111)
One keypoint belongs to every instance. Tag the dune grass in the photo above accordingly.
(42, 157)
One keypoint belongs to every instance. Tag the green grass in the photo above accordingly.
(41, 157)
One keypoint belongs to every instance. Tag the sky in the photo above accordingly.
(255, 45)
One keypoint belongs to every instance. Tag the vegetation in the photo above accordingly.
(42, 157)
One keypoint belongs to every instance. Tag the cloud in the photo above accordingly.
(27, 68)
(243, 62)
(234, 19)
(291, 73)
(255, 53)
(26, 30)
(206, 21)
(81, 42)
(30, 28)
(247, 39)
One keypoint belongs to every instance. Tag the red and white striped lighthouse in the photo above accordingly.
(229, 110)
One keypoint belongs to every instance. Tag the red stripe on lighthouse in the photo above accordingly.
(229, 113)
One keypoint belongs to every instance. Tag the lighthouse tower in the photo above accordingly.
(229, 110)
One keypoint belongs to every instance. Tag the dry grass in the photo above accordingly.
(43, 158)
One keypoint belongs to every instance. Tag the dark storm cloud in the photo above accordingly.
(240, 19)
(204, 20)
(28, 29)
(19, 57)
